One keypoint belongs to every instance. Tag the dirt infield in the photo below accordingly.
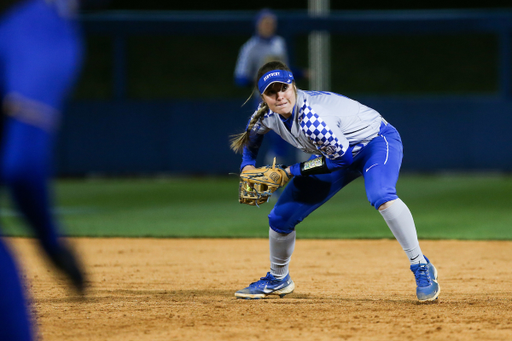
(182, 289)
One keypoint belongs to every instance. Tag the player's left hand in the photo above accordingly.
(257, 184)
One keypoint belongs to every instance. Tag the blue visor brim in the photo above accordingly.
(280, 76)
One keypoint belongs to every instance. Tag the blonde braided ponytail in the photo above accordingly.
(239, 141)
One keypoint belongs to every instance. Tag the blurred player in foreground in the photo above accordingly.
(350, 140)
(264, 46)
(40, 55)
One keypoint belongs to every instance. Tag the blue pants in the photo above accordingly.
(378, 162)
(40, 53)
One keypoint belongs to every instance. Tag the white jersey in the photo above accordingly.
(258, 51)
(325, 123)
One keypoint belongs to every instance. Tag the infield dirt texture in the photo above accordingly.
(183, 289)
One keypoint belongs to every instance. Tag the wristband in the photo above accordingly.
(314, 166)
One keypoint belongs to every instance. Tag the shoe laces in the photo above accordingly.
(268, 277)
(422, 276)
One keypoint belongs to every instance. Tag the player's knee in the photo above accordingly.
(279, 223)
(385, 205)
(379, 198)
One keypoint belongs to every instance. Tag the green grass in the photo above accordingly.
(444, 207)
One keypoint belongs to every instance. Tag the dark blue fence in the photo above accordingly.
(122, 136)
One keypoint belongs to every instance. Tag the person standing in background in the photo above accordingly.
(40, 56)
(263, 47)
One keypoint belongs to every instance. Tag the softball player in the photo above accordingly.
(349, 140)
(40, 54)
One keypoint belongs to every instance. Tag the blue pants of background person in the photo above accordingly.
(378, 162)
(40, 52)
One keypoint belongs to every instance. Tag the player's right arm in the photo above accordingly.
(250, 152)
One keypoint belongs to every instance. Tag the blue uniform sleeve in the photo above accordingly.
(250, 152)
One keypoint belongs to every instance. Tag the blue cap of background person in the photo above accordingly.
(280, 76)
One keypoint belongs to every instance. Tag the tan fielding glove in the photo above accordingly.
(257, 185)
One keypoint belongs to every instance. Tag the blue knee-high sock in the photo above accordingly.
(14, 320)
